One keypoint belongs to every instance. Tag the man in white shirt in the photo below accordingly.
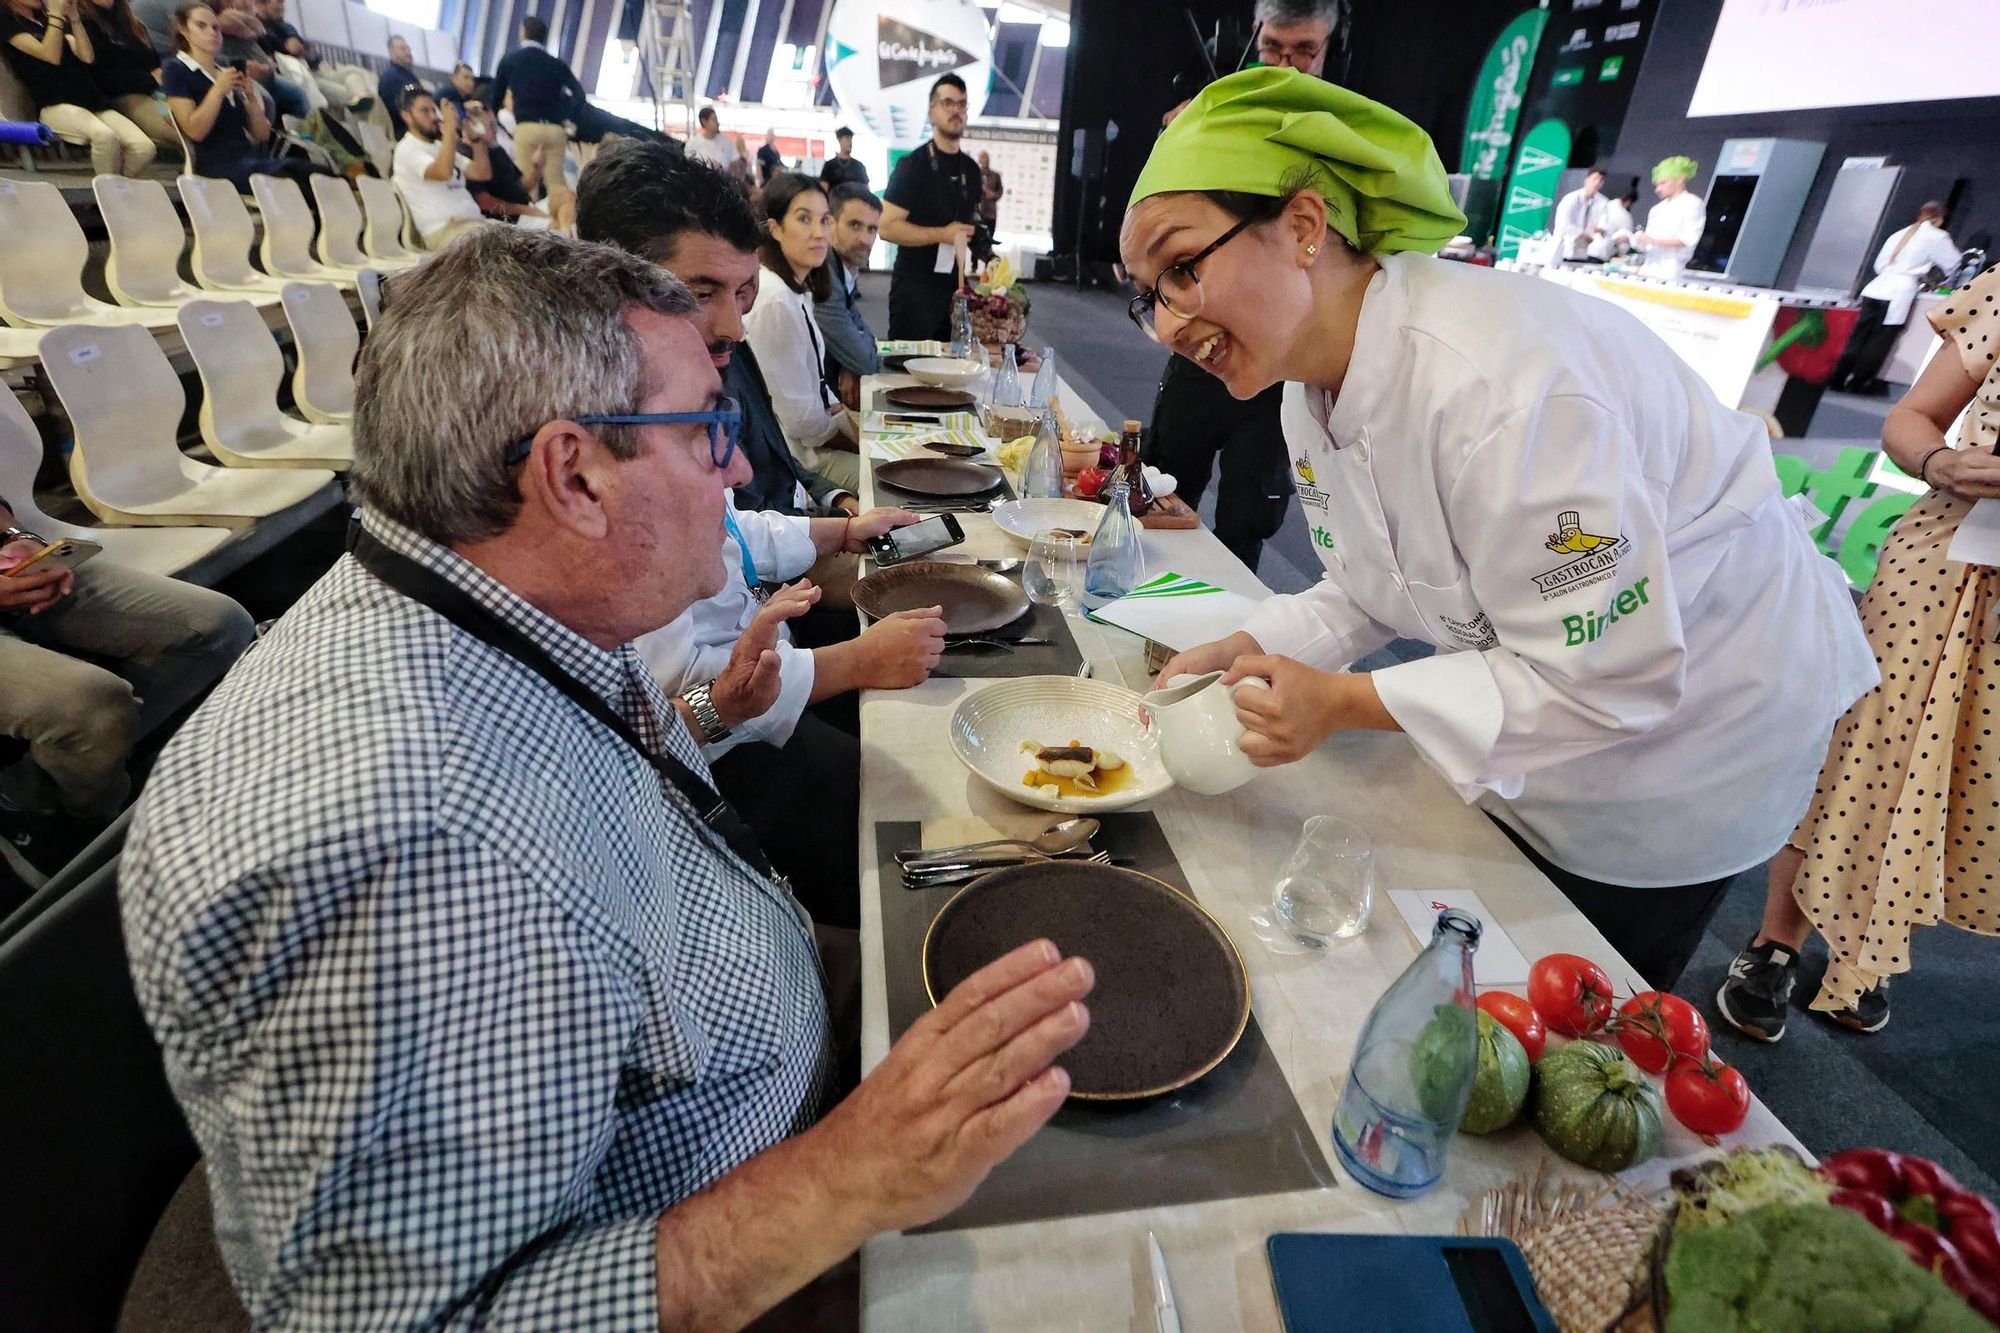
(1904, 259)
(427, 173)
(1674, 225)
(1614, 225)
(714, 147)
(1580, 216)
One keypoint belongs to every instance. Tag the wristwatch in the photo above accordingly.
(11, 533)
(702, 704)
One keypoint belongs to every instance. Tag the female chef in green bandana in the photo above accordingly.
(1641, 655)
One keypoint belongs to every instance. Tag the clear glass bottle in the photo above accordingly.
(962, 337)
(1117, 560)
(1007, 381)
(1413, 1068)
(1044, 391)
(1042, 474)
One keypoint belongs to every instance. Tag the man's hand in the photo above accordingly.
(447, 118)
(969, 1083)
(898, 651)
(1207, 657)
(35, 591)
(1287, 722)
(865, 527)
(954, 233)
(848, 505)
(540, 157)
(1972, 473)
(1173, 113)
(749, 685)
(848, 388)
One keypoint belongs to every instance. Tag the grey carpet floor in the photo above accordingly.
(1926, 1084)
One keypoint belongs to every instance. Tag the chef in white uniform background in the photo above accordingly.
(1616, 228)
(1674, 225)
(1900, 266)
(1642, 654)
(1580, 216)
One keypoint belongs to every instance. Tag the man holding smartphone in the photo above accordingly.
(163, 641)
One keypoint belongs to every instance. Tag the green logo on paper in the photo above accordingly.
(1496, 96)
(1608, 71)
(1565, 77)
(1531, 194)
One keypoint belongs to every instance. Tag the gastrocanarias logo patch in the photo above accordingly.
(1594, 558)
(1304, 468)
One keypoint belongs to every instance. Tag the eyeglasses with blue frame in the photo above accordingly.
(724, 422)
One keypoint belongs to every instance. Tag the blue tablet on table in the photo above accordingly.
(1403, 1284)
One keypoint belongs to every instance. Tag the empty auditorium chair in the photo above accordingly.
(240, 369)
(223, 235)
(370, 284)
(324, 336)
(125, 403)
(288, 233)
(340, 228)
(154, 550)
(383, 237)
(41, 265)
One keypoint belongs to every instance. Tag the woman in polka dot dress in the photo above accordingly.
(1905, 828)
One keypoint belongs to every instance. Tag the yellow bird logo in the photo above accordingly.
(1304, 468)
(1571, 539)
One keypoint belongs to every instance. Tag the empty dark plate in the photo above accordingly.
(953, 450)
(975, 600)
(939, 476)
(923, 395)
(1171, 999)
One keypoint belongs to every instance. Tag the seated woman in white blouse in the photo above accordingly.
(785, 336)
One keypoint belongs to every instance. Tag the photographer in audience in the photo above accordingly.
(478, 1000)
(225, 122)
(428, 174)
(507, 193)
(152, 644)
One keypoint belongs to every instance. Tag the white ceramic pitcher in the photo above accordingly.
(1199, 734)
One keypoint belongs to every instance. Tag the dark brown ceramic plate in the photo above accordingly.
(1171, 999)
(923, 395)
(939, 476)
(952, 450)
(975, 600)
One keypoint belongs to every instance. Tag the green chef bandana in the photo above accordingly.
(1384, 187)
(1684, 167)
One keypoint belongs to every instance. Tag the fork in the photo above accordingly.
(1008, 644)
(919, 879)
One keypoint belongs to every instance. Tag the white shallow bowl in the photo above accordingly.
(944, 372)
(987, 729)
(1023, 520)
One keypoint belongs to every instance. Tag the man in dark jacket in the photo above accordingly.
(546, 94)
(401, 74)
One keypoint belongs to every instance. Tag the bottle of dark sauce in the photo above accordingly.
(1140, 495)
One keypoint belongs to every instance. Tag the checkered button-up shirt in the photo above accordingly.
(457, 994)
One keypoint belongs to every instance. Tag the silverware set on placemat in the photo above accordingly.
(934, 867)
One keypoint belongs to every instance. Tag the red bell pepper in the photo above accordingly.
(1941, 1225)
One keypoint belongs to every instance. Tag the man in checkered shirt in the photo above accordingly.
(478, 1023)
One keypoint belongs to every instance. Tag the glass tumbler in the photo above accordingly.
(1327, 887)
(1053, 575)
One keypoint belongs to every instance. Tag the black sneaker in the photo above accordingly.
(1759, 990)
(1870, 1013)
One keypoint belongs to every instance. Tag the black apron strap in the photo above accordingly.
(431, 589)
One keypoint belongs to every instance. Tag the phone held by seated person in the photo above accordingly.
(933, 534)
(67, 553)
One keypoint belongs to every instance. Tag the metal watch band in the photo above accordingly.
(699, 700)
(11, 533)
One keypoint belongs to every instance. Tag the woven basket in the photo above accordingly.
(1593, 1267)
(998, 331)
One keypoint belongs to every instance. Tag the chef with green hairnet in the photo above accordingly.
(1674, 225)
(1641, 654)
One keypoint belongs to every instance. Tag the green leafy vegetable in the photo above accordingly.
(1725, 1188)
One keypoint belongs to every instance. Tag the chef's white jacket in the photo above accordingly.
(1900, 267)
(1650, 704)
(1681, 218)
(1577, 213)
(696, 646)
(1617, 228)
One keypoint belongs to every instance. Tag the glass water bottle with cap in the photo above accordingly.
(963, 340)
(1043, 393)
(1042, 474)
(1117, 560)
(1007, 380)
(1413, 1068)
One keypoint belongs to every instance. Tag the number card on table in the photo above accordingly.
(1498, 960)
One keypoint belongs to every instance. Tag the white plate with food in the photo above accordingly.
(1060, 743)
(943, 371)
(1024, 520)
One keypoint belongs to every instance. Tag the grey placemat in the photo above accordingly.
(1235, 1132)
(1058, 657)
(886, 494)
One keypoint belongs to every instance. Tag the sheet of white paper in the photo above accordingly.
(947, 260)
(1497, 961)
(1180, 622)
(1977, 541)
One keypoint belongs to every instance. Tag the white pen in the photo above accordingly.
(1166, 1316)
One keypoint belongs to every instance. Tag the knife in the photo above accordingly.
(1166, 1315)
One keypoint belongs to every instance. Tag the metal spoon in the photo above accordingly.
(1055, 840)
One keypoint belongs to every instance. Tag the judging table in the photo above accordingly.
(1090, 1271)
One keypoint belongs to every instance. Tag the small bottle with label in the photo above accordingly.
(1139, 494)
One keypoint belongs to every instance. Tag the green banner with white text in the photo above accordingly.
(1497, 92)
(1531, 191)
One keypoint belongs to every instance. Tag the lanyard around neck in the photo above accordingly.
(750, 579)
(429, 588)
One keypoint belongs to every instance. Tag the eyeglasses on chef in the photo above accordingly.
(724, 422)
(1179, 287)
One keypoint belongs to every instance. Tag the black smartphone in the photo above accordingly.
(933, 534)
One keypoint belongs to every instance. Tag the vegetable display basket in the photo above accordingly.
(999, 330)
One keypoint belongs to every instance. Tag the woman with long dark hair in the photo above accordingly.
(784, 333)
(127, 69)
(52, 56)
(218, 108)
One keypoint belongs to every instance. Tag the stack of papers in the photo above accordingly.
(1177, 611)
(913, 347)
(912, 446)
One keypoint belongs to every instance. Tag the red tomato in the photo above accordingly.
(1658, 1031)
(1089, 482)
(1709, 1098)
(1572, 994)
(1515, 1014)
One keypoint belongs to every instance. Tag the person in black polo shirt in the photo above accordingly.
(932, 201)
(401, 75)
(545, 95)
(844, 168)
